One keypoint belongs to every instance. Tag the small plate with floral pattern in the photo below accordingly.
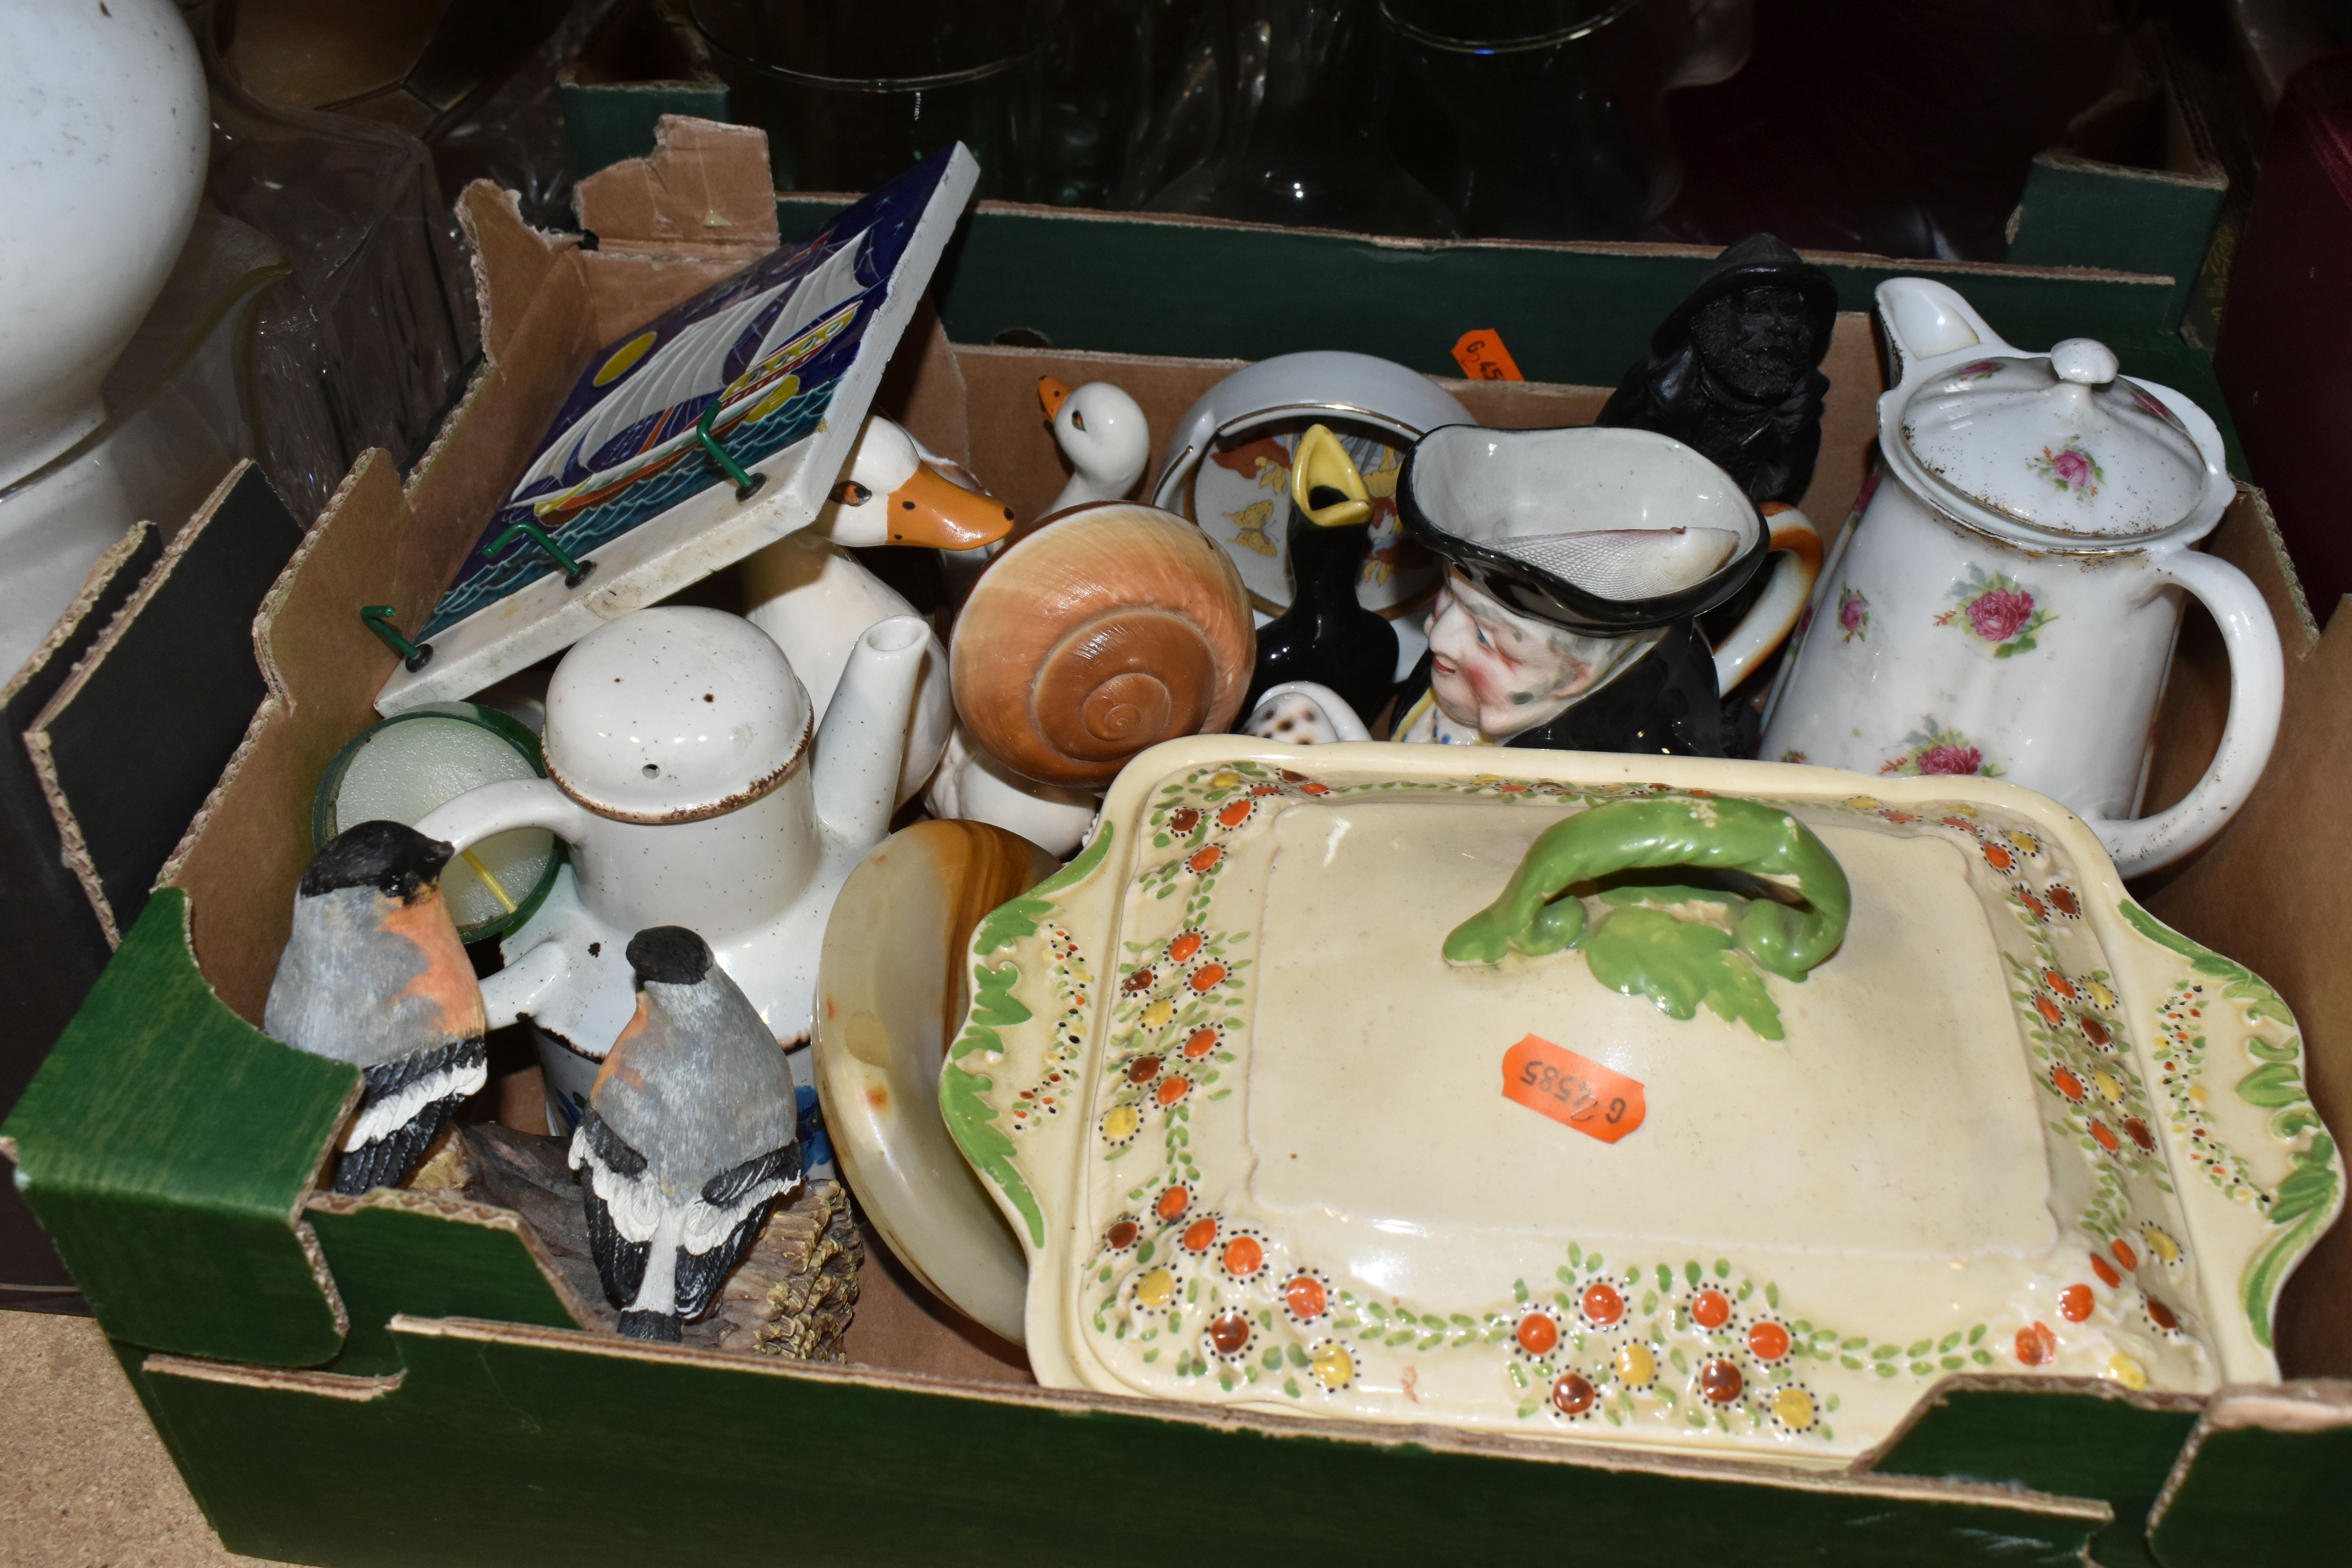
(1690, 1104)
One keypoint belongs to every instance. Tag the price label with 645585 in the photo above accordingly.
(1574, 1091)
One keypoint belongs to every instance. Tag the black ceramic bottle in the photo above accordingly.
(1327, 636)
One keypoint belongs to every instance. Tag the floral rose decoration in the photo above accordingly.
(2071, 469)
(1853, 614)
(1997, 614)
(1951, 759)
(1935, 748)
(2000, 610)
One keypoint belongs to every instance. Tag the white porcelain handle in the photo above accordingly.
(494, 808)
(1924, 318)
(1797, 565)
(2257, 690)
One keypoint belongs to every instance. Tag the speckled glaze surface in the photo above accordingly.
(1263, 1146)
(685, 775)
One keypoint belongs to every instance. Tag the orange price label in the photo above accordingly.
(1598, 1101)
(1483, 357)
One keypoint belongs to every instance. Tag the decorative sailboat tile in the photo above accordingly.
(626, 502)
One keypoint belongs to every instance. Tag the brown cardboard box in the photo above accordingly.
(414, 1359)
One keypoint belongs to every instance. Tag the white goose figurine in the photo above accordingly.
(1101, 430)
(814, 599)
(890, 494)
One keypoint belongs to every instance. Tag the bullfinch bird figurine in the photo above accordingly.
(689, 1139)
(375, 975)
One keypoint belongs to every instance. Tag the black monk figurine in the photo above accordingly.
(1733, 370)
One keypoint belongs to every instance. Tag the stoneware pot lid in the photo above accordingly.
(2060, 444)
(1608, 531)
(674, 714)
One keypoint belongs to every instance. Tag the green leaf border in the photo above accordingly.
(964, 1101)
(2306, 1201)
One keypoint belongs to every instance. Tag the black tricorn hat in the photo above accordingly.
(1497, 505)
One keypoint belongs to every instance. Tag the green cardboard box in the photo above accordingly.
(2143, 182)
(402, 1378)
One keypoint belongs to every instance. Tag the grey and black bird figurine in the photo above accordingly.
(689, 1139)
(373, 974)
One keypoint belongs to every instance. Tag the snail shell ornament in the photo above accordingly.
(1120, 627)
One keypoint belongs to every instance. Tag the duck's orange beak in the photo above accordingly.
(932, 510)
(1053, 391)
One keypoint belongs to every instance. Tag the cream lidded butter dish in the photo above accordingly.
(1660, 1102)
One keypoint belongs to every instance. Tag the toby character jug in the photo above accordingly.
(686, 771)
(2007, 604)
(1577, 562)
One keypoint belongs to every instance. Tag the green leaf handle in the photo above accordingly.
(1709, 832)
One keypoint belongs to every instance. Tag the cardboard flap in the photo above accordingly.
(704, 191)
(2073, 1438)
(132, 742)
(428, 1254)
(166, 1146)
(518, 1446)
(2260, 1457)
(55, 945)
(513, 261)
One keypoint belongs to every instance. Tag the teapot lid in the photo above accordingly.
(2060, 444)
(674, 714)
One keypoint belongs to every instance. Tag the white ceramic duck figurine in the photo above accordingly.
(813, 598)
(1101, 430)
(894, 492)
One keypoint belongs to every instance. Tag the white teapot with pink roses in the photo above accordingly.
(2007, 604)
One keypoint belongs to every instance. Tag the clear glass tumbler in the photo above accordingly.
(1549, 100)
(851, 92)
